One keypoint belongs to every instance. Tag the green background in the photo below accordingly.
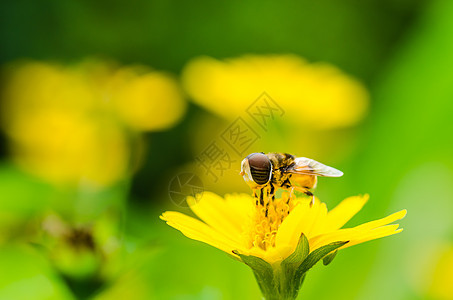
(401, 50)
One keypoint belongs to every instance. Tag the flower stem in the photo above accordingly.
(283, 286)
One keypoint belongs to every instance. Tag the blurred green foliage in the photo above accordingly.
(401, 153)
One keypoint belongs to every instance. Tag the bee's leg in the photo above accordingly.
(268, 199)
(287, 186)
(271, 192)
(255, 196)
(262, 196)
(306, 192)
(291, 192)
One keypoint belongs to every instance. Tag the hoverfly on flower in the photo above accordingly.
(280, 170)
(279, 238)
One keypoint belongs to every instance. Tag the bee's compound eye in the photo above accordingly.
(260, 167)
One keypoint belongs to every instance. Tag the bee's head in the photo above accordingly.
(256, 169)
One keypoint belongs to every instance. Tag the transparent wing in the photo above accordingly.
(308, 166)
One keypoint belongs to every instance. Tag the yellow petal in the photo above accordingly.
(199, 231)
(313, 214)
(288, 233)
(214, 210)
(344, 211)
(384, 221)
(335, 236)
(375, 234)
(319, 225)
(271, 255)
(302, 219)
(242, 205)
(353, 235)
(359, 234)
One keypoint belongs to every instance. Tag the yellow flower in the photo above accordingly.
(80, 124)
(281, 233)
(315, 95)
(146, 100)
(439, 282)
(235, 223)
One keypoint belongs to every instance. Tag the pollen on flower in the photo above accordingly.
(269, 215)
(270, 228)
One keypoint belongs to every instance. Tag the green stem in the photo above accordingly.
(282, 280)
(283, 286)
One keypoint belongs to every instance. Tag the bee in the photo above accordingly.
(280, 170)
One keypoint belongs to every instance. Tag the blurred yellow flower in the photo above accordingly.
(73, 124)
(149, 101)
(316, 95)
(440, 282)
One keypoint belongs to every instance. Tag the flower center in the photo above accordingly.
(269, 214)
